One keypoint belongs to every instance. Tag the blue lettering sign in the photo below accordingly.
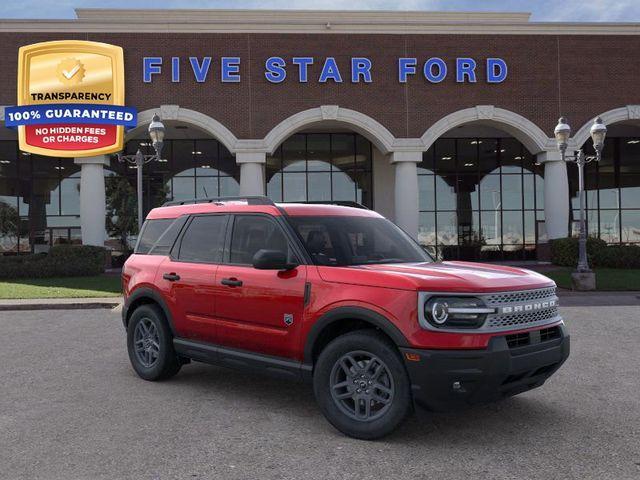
(175, 69)
(303, 64)
(230, 70)
(275, 69)
(360, 67)
(330, 71)
(151, 66)
(200, 71)
(406, 66)
(465, 67)
(428, 70)
(496, 70)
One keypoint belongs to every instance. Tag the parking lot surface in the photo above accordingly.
(71, 407)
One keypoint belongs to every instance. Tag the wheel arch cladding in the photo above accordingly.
(345, 319)
(145, 296)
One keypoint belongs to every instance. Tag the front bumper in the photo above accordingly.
(443, 380)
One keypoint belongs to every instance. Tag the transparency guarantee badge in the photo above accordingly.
(71, 99)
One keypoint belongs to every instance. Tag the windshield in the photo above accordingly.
(342, 241)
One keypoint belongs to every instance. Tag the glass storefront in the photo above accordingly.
(480, 198)
(39, 201)
(40, 196)
(612, 189)
(311, 167)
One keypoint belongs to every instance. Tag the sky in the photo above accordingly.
(542, 10)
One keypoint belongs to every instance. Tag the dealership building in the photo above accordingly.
(442, 122)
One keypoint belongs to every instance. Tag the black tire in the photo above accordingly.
(348, 414)
(152, 366)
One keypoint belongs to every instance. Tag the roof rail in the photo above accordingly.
(341, 203)
(251, 200)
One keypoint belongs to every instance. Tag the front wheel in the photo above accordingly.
(361, 385)
(150, 344)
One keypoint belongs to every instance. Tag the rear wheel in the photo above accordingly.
(361, 385)
(150, 344)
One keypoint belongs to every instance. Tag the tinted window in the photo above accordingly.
(252, 233)
(343, 241)
(204, 239)
(151, 231)
(164, 244)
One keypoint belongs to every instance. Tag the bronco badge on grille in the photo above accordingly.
(527, 307)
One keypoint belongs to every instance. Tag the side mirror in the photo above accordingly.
(272, 260)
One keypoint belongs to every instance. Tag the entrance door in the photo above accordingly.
(259, 310)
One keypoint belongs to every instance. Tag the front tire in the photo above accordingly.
(150, 344)
(361, 385)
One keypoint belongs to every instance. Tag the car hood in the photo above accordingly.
(440, 276)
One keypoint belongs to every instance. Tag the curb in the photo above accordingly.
(8, 307)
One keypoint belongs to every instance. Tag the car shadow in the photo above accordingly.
(496, 422)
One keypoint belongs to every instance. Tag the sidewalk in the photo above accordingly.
(569, 298)
(59, 303)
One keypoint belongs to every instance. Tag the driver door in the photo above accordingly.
(259, 310)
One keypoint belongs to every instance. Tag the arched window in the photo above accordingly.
(321, 167)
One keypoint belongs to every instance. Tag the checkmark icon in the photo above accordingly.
(71, 73)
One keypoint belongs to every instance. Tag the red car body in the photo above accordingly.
(248, 319)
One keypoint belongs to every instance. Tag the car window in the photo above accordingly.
(151, 231)
(252, 233)
(203, 240)
(164, 244)
(346, 240)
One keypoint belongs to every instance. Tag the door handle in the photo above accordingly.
(172, 277)
(231, 282)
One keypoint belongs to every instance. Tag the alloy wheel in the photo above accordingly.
(362, 386)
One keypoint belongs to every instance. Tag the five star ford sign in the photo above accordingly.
(71, 99)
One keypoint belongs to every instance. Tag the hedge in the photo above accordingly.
(61, 261)
(564, 252)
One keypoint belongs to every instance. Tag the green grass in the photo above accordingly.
(607, 279)
(69, 287)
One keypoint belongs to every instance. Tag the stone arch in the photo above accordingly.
(197, 119)
(382, 138)
(622, 114)
(527, 132)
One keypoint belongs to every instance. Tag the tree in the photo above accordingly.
(122, 215)
(9, 221)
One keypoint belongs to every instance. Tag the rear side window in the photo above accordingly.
(164, 244)
(151, 232)
(203, 241)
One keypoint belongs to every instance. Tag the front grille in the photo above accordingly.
(518, 340)
(523, 339)
(519, 297)
(520, 319)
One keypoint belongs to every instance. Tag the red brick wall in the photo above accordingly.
(578, 76)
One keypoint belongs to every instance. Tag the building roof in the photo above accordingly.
(311, 21)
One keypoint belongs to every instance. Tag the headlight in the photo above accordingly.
(456, 312)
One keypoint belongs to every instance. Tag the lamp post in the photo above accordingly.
(562, 133)
(156, 133)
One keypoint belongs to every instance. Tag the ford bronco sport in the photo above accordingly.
(340, 297)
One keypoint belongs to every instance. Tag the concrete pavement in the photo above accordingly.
(72, 408)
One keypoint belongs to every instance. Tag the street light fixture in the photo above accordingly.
(156, 133)
(562, 133)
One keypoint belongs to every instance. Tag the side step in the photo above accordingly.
(243, 360)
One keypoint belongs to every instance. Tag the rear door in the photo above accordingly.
(188, 277)
(259, 310)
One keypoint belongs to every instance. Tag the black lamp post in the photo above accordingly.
(156, 133)
(562, 133)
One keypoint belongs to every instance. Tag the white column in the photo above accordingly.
(556, 194)
(93, 209)
(251, 172)
(406, 190)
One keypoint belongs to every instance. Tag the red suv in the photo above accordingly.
(338, 296)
